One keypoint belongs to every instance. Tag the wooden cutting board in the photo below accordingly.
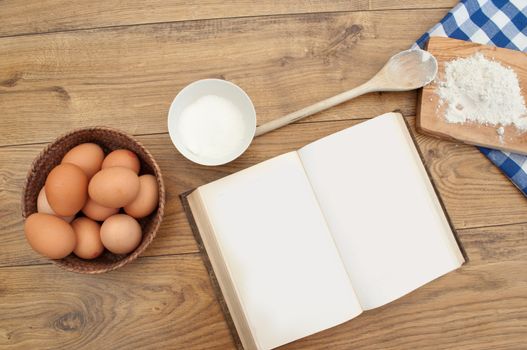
(430, 115)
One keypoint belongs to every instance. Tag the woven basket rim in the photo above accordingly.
(85, 268)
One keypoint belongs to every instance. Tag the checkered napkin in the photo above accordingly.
(491, 22)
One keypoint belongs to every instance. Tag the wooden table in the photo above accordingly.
(66, 65)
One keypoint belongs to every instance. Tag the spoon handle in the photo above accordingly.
(315, 108)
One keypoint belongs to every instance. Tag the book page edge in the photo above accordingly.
(435, 192)
(221, 281)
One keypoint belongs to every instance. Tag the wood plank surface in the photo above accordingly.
(25, 17)
(120, 63)
(431, 112)
(409, 4)
(62, 81)
(453, 167)
(167, 302)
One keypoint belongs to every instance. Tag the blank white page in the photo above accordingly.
(278, 250)
(381, 208)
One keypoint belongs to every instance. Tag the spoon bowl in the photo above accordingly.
(408, 70)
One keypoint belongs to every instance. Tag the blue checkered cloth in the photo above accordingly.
(491, 22)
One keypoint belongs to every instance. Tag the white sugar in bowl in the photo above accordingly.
(211, 121)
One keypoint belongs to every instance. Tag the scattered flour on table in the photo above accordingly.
(212, 127)
(480, 90)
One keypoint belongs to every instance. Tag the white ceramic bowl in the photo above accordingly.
(221, 88)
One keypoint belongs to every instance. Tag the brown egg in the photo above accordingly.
(50, 235)
(87, 156)
(121, 234)
(98, 212)
(44, 207)
(146, 200)
(123, 158)
(114, 187)
(66, 189)
(89, 244)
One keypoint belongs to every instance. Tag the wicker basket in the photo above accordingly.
(109, 139)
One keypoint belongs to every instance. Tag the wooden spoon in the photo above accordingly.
(407, 70)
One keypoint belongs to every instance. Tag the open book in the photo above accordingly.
(310, 239)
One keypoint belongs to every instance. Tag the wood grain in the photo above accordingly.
(286, 55)
(61, 81)
(421, 4)
(25, 17)
(167, 302)
(474, 191)
(431, 111)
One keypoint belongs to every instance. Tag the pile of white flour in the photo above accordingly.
(480, 90)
